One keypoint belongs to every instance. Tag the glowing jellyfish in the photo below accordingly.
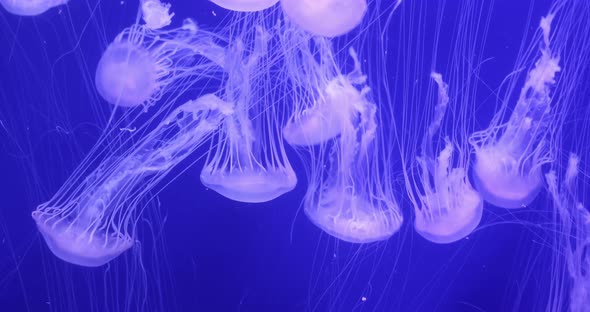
(328, 18)
(156, 14)
(575, 229)
(507, 172)
(247, 162)
(325, 98)
(91, 220)
(351, 197)
(141, 64)
(245, 5)
(448, 208)
(30, 7)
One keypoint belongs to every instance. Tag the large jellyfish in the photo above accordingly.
(507, 171)
(91, 219)
(247, 162)
(30, 7)
(245, 5)
(349, 193)
(323, 97)
(575, 229)
(448, 208)
(143, 63)
(328, 18)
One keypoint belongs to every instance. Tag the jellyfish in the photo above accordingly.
(91, 219)
(30, 7)
(245, 5)
(142, 63)
(575, 229)
(156, 14)
(507, 171)
(448, 208)
(323, 97)
(349, 194)
(247, 161)
(328, 18)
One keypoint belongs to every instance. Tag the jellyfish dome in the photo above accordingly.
(245, 5)
(328, 18)
(325, 99)
(91, 219)
(509, 156)
(350, 198)
(247, 161)
(30, 7)
(142, 63)
(323, 120)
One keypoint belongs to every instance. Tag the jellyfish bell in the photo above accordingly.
(245, 5)
(251, 186)
(502, 181)
(352, 218)
(30, 7)
(509, 156)
(74, 243)
(126, 75)
(323, 120)
(328, 18)
(143, 62)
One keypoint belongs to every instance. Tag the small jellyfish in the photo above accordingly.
(247, 161)
(156, 14)
(91, 219)
(575, 232)
(142, 64)
(350, 197)
(30, 7)
(448, 208)
(327, 18)
(245, 5)
(509, 156)
(325, 97)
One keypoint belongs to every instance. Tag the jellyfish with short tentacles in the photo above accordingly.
(156, 14)
(30, 7)
(328, 18)
(448, 208)
(323, 97)
(245, 5)
(507, 171)
(247, 161)
(351, 198)
(142, 63)
(91, 220)
(575, 228)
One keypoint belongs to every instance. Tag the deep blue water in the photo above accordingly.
(202, 252)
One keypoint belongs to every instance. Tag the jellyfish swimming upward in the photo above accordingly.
(509, 156)
(323, 98)
(144, 62)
